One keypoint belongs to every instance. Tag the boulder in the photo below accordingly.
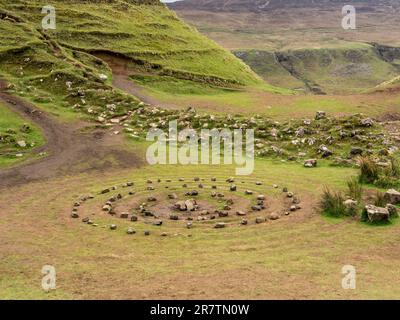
(320, 115)
(368, 122)
(158, 223)
(172, 196)
(393, 211)
(260, 220)
(261, 197)
(180, 205)
(355, 151)
(113, 227)
(233, 188)
(130, 231)
(310, 163)
(190, 205)
(220, 225)
(134, 218)
(240, 213)
(377, 214)
(124, 215)
(274, 216)
(392, 196)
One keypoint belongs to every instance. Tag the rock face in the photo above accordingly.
(377, 214)
(393, 196)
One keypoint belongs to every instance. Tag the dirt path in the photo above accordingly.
(121, 72)
(69, 150)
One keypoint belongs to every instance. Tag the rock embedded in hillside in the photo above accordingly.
(21, 143)
(368, 122)
(377, 214)
(320, 115)
(324, 151)
(393, 196)
(356, 151)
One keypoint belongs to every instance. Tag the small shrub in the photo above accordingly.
(369, 170)
(355, 189)
(380, 199)
(332, 204)
(393, 170)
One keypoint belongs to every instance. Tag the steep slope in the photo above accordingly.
(329, 70)
(145, 32)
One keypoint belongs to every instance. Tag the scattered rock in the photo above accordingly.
(274, 216)
(260, 220)
(130, 231)
(124, 215)
(377, 214)
(393, 196)
(310, 163)
(220, 225)
(320, 115)
(393, 211)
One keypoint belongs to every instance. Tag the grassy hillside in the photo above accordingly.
(145, 31)
(350, 69)
(17, 137)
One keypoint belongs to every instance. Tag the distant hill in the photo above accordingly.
(266, 5)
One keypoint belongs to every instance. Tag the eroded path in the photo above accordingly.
(69, 149)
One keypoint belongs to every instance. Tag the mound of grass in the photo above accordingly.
(332, 204)
(145, 31)
(13, 129)
(387, 177)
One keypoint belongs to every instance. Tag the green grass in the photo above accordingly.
(149, 33)
(289, 253)
(8, 149)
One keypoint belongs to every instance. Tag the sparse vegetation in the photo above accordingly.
(355, 189)
(332, 203)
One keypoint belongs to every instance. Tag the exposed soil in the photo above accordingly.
(121, 70)
(69, 149)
